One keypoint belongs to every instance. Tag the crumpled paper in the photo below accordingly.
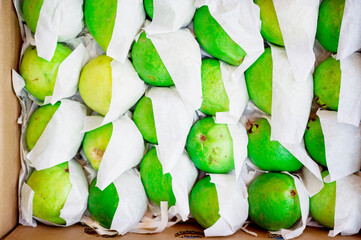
(74, 206)
(128, 21)
(169, 16)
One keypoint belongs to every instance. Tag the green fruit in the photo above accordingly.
(51, 188)
(148, 5)
(31, 12)
(215, 98)
(212, 37)
(148, 64)
(95, 143)
(329, 23)
(270, 28)
(322, 205)
(259, 81)
(210, 146)
(100, 20)
(40, 75)
(273, 201)
(315, 142)
(203, 202)
(327, 83)
(157, 185)
(143, 118)
(38, 122)
(103, 204)
(266, 154)
(95, 84)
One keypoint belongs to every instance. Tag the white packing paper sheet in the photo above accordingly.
(125, 150)
(128, 21)
(233, 205)
(61, 138)
(181, 55)
(298, 23)
(350, 32)
(173, 121)
(169, 15)
(59, 20)
(291, 100)
(342, 146)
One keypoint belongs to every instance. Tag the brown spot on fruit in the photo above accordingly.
(66, 170)
(203, 138)
(249, 126)
(220, 135)
(293, 193)
(97, 154)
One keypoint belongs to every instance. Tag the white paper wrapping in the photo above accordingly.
(291, 100)
(169, 16)
(233, 205)
(241, 21)
(236, 89)
(132, 202)
(58, 21)
(298, 23)
(128, 21)
(342, 145)
(347, 206)
(181, 55)
(74, 206)
(173, 121)
(127, 89)
(61, 138)
(350, 32)
(349, 105)
(124, 151)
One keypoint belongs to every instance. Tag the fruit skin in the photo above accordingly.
(143, 118)
(270, 28)
(38, 122)
(95, 143)
(273, 201)
(210, 146)
(51, 187)
(212, 37)
(322, 205)
(327, 83)
(148, 64)
(40, 75)
(203, 202)
(315, 142)
(215, 98)
(329, 23)
(148, 5)
(103, 204)
(157, 185)
(259, 81)
(95, 84)
(100, 20)
(266, 154)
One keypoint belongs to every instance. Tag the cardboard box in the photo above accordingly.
(10, 44)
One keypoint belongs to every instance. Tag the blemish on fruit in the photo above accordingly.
(293, 193)
(66, 170)
(203, 138)
(97, 153)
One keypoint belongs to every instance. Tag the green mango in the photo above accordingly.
(31, 12)
(40, 75)
(203, 202)
(143, 118)
(273, 201)
(212, 37)
(210, 146)
(266, 154)
(315, 142)
(148, 5)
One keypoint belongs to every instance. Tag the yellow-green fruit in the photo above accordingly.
(40, 75)
(315, 142)
(215, 98)
(143, 118)
(259, 81)
(148, 5)
(329, 23)
(95, 84)
(51, 188)
(273, 201)
(327, 83)
(212, 37)
(322, 205)
(203, 202)
(38, 122)
(270, 28)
